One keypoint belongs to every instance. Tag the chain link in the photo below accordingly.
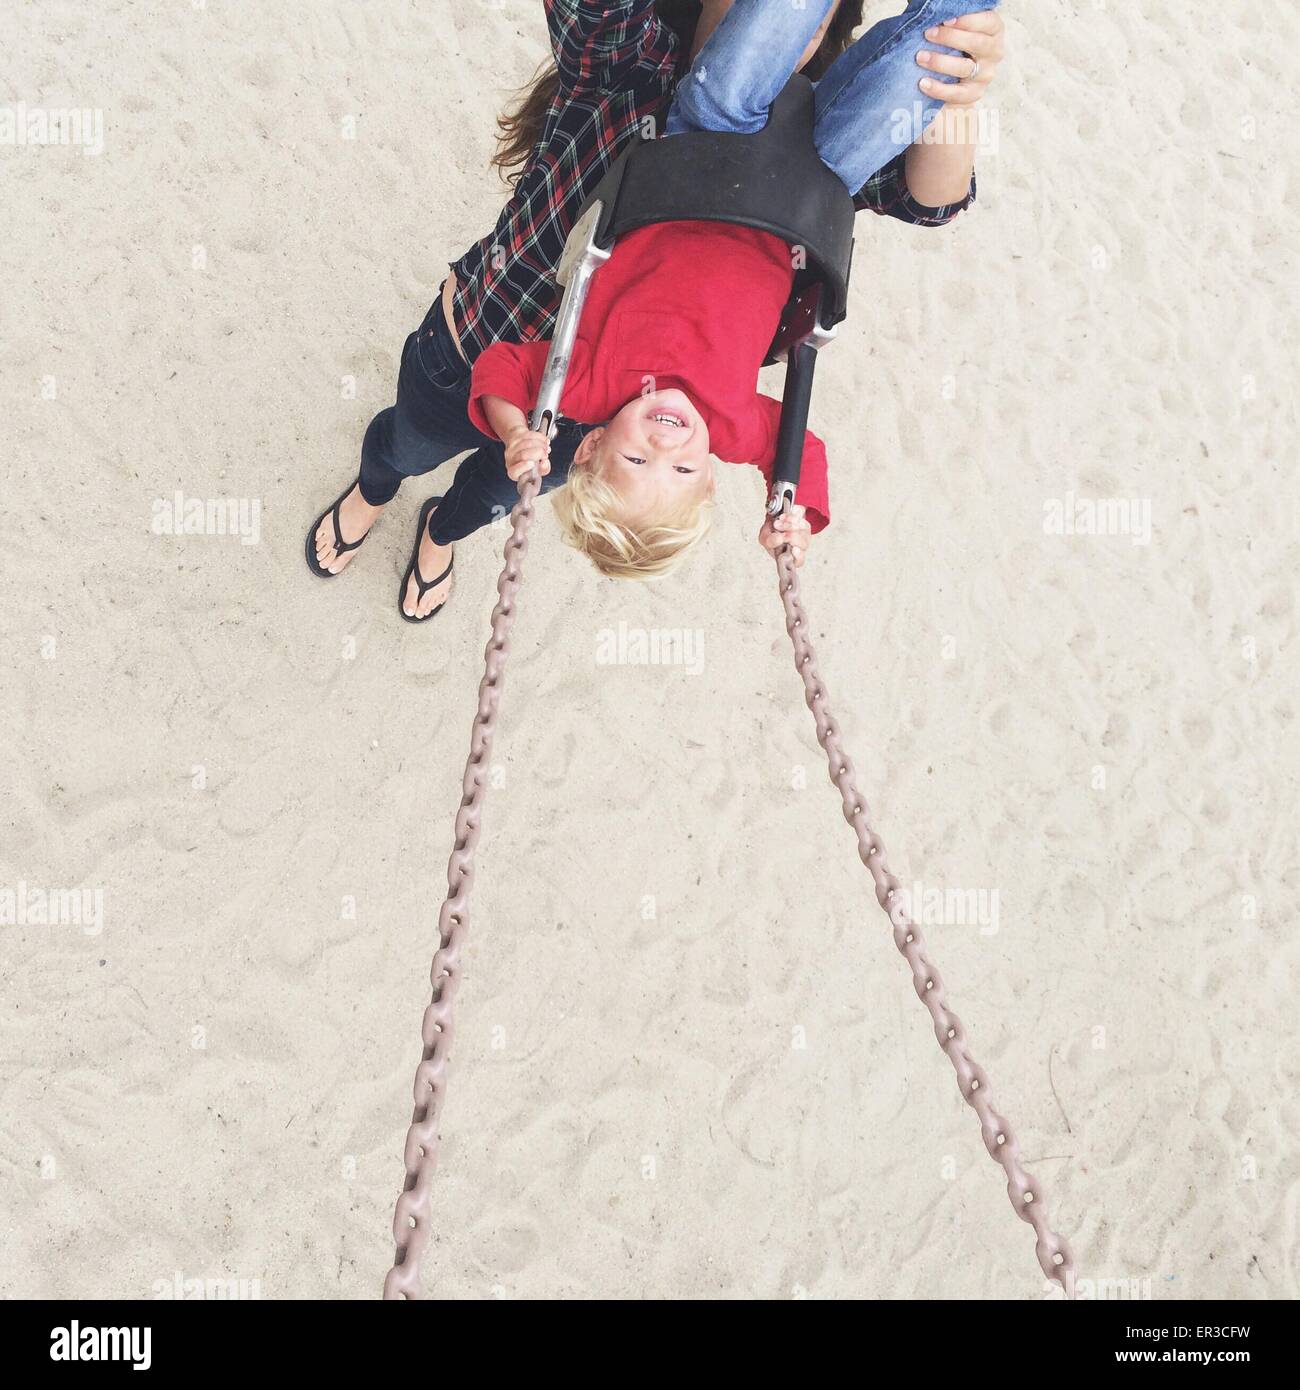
(411, 1219)
(1026, 1196)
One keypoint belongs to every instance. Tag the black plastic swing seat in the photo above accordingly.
(771, 180)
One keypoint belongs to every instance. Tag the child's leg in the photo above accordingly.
(743, 66)
(869, 104)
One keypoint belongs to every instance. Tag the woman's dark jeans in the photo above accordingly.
(430, 424)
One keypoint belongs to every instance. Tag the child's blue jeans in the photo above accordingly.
(869, 106)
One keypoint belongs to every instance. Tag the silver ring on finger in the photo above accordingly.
(975, 68)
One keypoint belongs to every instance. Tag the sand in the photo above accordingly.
(689, 1061)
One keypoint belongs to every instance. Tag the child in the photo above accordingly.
(674, 330)
(678, 321)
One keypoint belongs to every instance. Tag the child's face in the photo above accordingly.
(655, 451)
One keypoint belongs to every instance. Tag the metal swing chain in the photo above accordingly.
(1026, 1196)
(411, 1219)
(412, 1216)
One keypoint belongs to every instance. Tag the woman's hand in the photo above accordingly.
(790, 528)
(981, 35)
(527, 449)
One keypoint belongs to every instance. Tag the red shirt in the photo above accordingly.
(687, 304)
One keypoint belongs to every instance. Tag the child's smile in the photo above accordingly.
(669, 423)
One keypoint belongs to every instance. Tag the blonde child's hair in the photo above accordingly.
(593, 518)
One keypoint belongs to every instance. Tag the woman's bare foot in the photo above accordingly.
(433, 560)
(356, 517)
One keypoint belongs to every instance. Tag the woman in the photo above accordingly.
(615, 68)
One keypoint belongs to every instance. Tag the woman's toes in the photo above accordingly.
(415, 607)
(433, 598)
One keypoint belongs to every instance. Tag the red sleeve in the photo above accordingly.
(512, 371)
(813, 492)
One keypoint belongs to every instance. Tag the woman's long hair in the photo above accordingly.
(520, 127)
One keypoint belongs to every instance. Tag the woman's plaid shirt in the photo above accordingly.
(617, 64)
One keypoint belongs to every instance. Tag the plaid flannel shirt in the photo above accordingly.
(617, 66)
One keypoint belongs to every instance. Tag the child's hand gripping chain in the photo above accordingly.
(790, 528)
(526, 450)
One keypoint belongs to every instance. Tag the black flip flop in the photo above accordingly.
(340, 545)
(413, 569)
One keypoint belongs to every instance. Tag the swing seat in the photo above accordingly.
(772, 181)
